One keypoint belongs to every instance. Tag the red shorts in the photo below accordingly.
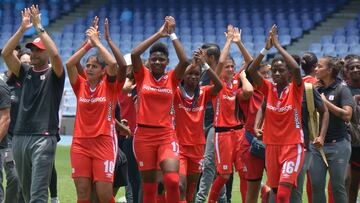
(150, 153)
(94, 158)
(254, 165)
(283, 163)
(191, 159)
(227, 151)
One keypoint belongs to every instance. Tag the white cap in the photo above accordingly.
(127, 58)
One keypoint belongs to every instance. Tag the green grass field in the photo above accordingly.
(66, 188)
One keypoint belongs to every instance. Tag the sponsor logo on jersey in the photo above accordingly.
(230, 98)
(92, 100)
(189, 109)
(157, 89)
(279, 109)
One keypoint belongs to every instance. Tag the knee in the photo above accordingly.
(105, 196)
(83, 192)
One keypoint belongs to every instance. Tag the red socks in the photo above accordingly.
(83, 201)
(171, 183)
(160, 198)
(216, 187)
(112, 200)
(149, 192)
(283, 194)
(190, 191)
(330, 194)
(243, 185)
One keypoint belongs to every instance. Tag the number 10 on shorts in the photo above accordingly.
(109, 166)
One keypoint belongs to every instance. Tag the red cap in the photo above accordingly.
(37, 42)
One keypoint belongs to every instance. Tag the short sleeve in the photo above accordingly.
(317, 99)
(174, 80)
(24, 69)
(140, 74)
(207, 91)
(298, 89)
(76, 87)
(5, 101)
(346, 98)
(264, 87)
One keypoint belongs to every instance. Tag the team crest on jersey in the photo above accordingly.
(225, 167)
(331, 97)
(235, 82)
(42, 77)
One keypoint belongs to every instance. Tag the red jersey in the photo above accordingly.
(128, 111)
(155, 98)
(283, 114)
(224, 106)
(189, 119)
(95, 112)
(250, 108)
(310, 79)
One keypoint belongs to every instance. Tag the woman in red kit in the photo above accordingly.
(282, 132)
(189, 103)
(227, 123)
(94, 146)
(155, 140)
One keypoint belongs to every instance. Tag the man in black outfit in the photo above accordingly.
(34, 141)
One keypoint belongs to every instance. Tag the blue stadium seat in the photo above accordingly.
(285, 40)
(328, 47)
(352, 40)
(339, 39)
(326, 39)
(315, 47)
(296, 32)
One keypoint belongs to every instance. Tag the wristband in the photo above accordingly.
(264, 51)
(206, 67)
(87, 46)
(173, 36)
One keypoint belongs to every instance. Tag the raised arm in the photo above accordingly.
(237, 40)
(48, 42)
(141, 48)
(73, 63)
(247, 88)
(180, 52)
(93, 35)
(11, 60)
(225, 52)
(290, 61)
(252, 70)
(121, 73)
(199, 58)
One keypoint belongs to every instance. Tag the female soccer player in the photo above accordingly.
(93, 150)
(227, 123)
(282, 128)
(189, 103)
(155, 140)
